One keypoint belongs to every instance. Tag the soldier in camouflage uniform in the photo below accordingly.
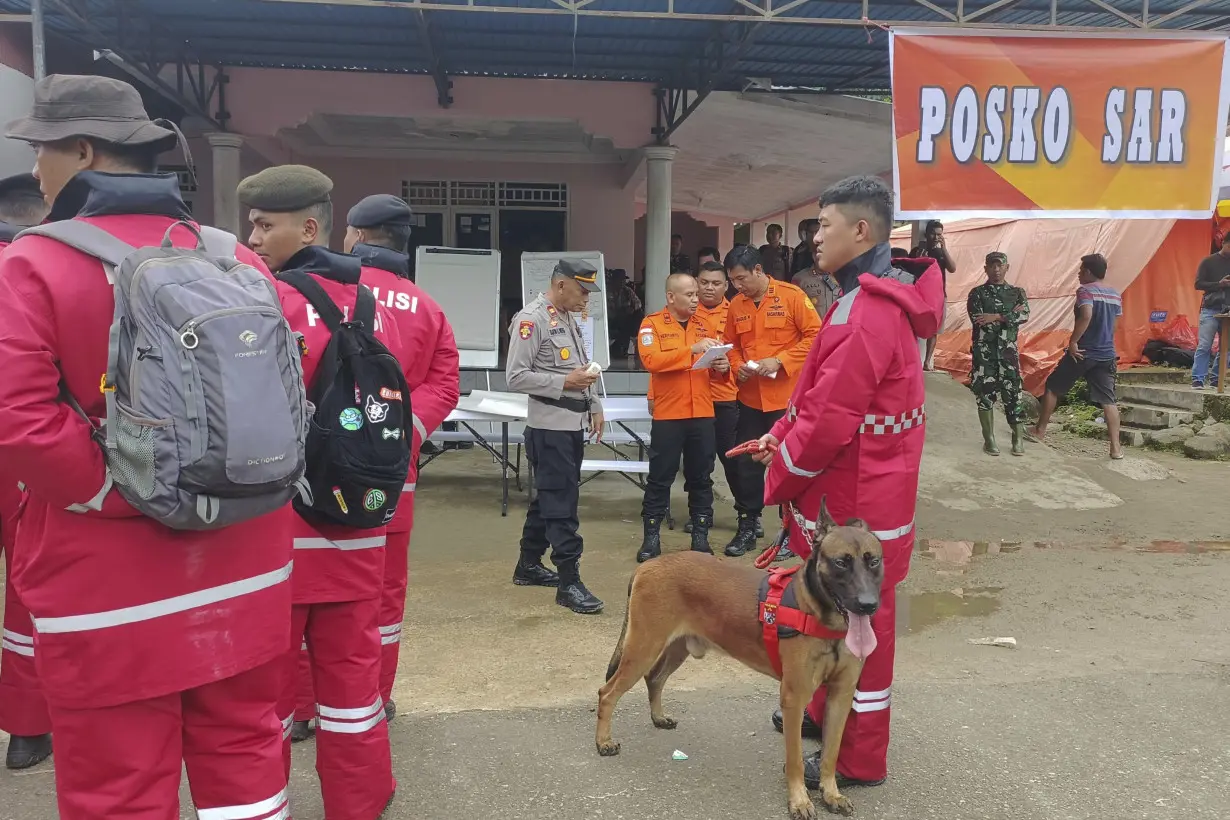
(997, 310)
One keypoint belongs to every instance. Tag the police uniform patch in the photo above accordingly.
(526, 329)
(565, 354)
(810, 304)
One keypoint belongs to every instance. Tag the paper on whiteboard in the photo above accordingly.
(711, 355)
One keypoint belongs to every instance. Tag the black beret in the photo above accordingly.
(285, 188)
(377, 210)
(580, 271)
(19, 183)
(997, 256)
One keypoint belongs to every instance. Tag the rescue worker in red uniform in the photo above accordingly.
(156, 648)
(853, 434)
(338, 570)
(378, 232)
(670, 342)
(23, 710)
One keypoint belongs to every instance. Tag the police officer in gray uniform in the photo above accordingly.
(546, 359)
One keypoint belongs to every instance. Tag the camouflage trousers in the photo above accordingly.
(999, 377)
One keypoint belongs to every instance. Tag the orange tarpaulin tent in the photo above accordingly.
(1151, 261)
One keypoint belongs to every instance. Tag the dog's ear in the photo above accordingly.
(858, 524)
(825, 523)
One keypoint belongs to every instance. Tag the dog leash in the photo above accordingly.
(766, 558)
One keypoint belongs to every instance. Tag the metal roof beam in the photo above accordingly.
(710, 65)
(204, 89)
(444, 86)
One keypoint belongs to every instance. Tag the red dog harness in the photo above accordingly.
(783, 619)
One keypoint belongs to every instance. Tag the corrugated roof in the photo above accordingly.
(617, 40)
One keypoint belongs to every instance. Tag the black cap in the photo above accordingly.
(378, 210)
(285, 189)
(580, 271)
(24, 183)
(997, 256)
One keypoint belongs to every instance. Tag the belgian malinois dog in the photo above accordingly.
(688, 602)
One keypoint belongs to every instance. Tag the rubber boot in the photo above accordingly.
(1018, 439)
(745, 538)
(700, 534)
(987, 419)
(24, 752)
(651, 543)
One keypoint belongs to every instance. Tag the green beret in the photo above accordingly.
(285, 188)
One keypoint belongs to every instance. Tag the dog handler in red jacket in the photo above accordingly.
(155, 648)
(378, 232)
(853, 436)
(338, 569)
(23, 709)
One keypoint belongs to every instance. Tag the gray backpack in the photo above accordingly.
(207, 411)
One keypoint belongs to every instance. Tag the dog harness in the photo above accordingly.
(782, 618)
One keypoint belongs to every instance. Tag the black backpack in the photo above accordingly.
(358, 450)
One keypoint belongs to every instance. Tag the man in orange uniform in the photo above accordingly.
(772, 326)
(670, 343)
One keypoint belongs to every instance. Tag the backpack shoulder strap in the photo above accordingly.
(87, 238)
(219, 242)
(317, 297)
(365, 309)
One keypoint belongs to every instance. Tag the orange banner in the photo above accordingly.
(1027, 125)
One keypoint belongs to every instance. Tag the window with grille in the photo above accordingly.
(530, 195)
(425, 194)
(540, 195)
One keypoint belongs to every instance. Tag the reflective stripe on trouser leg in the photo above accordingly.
(393, 601)
(353, 757)
(23, 709)
(233, 742)
(305, 697)
(864, 744)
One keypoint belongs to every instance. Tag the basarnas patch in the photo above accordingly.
(646, 337)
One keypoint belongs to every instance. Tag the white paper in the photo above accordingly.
(756, 366)
(710, 356)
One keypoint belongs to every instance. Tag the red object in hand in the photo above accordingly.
(746, 447)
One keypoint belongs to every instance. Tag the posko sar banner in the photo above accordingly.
(1028, 125)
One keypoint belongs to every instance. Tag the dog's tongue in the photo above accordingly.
(860, 637)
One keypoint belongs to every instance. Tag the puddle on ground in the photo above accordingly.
(925, 609)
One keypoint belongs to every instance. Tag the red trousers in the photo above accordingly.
(124, 762)
(353, 757)
(392, 612)
(23, 710)
(864, 744)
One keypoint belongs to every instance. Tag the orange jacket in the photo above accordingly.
(677, 391)
(723, 384)
(783, 326)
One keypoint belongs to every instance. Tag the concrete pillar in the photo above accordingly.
(726, 237)
(658, 159)
(226, 179)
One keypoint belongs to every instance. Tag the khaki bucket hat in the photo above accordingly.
(67, 105)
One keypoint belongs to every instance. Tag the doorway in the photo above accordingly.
(525, 231)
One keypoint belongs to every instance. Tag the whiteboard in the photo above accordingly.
(536, 270)
(466, 283)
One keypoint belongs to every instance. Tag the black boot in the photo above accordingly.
(700, 533)
(25, 752)
(531, 573)
(745, 538)
(784, 553)
(300, 731)
(390, 711)
(687, 527)
(651, 543)
(573, 594)
(759, 528)
(811, 775)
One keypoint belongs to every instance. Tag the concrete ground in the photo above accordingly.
(1112, 577)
